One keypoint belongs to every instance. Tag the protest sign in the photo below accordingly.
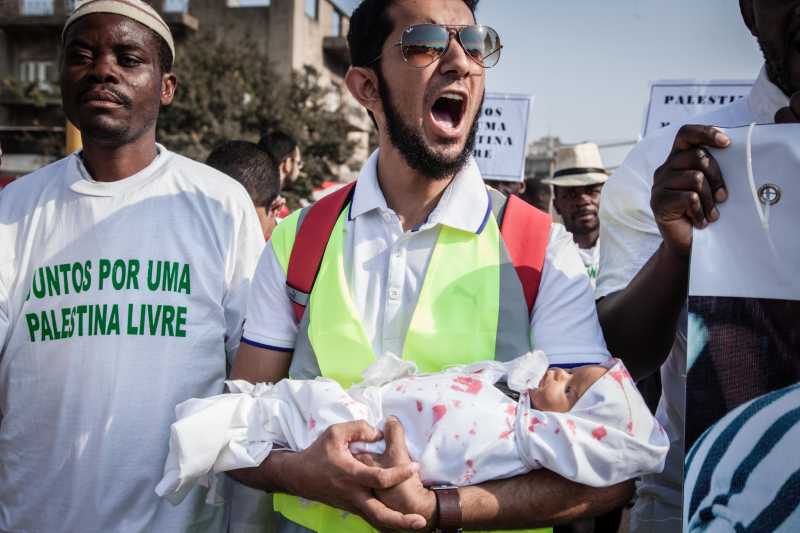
(742, 340)
(502, 139)
(674, 101)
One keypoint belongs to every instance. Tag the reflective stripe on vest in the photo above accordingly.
(470, 308)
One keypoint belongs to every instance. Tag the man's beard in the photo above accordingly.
(412, 147)
(777, 69)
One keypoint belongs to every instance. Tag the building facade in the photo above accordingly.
(288, 33)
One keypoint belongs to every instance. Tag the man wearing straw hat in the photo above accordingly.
(122, 284)
(577, 182)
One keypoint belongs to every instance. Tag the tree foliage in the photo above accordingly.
(226, 90)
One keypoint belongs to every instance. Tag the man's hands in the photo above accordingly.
(687, 187)
(327, 472)
(409, 496)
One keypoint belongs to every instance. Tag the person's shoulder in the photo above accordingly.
(651, 151)
(207, 180)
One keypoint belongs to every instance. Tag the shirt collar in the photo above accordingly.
(765, 99)
(465, 204)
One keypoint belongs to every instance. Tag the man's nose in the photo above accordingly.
(104, 69)
(455, 60)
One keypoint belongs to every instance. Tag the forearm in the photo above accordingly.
(538, 499)
(639, 322)
(271, 476)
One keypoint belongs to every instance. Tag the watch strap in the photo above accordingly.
(448, 507)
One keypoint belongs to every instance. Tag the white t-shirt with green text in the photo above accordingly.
(117, 301)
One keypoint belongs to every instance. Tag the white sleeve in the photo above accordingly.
(629, 234)
(248, 242)
(270, 319)
(564, 323)
(5, 319)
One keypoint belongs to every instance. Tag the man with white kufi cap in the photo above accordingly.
(122, 290)
(577, 182)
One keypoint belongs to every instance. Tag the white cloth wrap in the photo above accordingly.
(459, 427)
(607, 437)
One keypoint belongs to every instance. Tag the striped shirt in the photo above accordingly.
(743, 474)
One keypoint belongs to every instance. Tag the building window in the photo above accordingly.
(312, 9)
(37, 7)
(336, 23)
(176, 6)
(42, 73)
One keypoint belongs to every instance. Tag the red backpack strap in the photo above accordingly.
(309, 246)
(526, 234)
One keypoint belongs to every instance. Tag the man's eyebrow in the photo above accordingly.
(129, 46)
(77, 42)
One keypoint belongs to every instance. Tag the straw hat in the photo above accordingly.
(578, 165)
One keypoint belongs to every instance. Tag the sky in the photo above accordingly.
(589, 62)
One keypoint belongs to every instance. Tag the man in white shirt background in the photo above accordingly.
(577, 182)
(123, 280)
(668, 186)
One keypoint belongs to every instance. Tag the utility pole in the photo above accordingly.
(73, 139)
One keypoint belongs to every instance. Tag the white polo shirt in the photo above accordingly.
(629, 236)
(385, 268)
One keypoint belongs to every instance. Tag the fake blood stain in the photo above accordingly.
(599, 432)
(620, 375)
(439, 411)
(571, 426)
(312, 423)
(470, 471)
(467, 384)
(419, 406)
(532, 425)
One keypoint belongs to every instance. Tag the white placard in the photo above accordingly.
(741, 255)
(674, 101)
(502, 140)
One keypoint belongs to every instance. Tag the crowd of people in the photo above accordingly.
(134, 279)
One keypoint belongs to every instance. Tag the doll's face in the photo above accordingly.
(560, 389)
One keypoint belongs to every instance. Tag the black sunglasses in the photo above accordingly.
(422, 44)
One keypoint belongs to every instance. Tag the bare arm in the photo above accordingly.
(326, 471)
(538, 499)
(639, 322)
(259, 365)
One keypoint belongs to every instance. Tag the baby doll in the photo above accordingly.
(588, 424)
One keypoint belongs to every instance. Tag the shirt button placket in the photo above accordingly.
(392, 336)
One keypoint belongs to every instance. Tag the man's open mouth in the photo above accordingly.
(448, 110)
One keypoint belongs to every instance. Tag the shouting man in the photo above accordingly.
(416, 267)
(122, 285)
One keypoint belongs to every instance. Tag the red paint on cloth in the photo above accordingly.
(419, 406)
(439, 411)
(467, 384)
(599, 432)
(456, 403)
(470, 471)
(620, 375)
(510, 425)
(312, 423)
(571, 426)
(511, 409)
(534, 422)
